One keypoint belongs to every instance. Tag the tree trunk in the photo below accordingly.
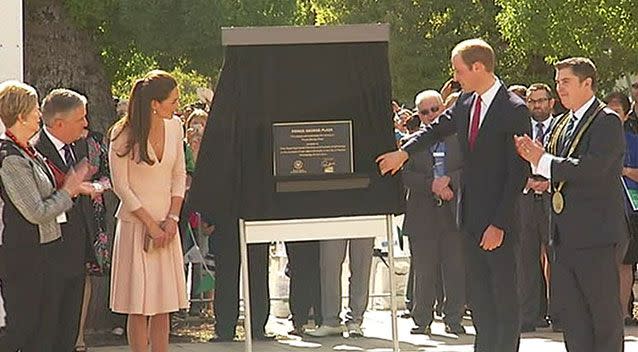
(60, 55)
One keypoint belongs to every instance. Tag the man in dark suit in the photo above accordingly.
(485, 118)
(584, 160)
(432, 178)
(59, 141)
(227, 267)
(534, 212)
(304, 263)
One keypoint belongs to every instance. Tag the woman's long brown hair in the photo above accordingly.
(156, 85)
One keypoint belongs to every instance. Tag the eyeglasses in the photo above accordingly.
(432, 110)
(634, 85)
(537, 101)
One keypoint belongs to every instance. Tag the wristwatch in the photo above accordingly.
(173, 217)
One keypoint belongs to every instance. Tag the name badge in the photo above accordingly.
(61, 219)
(438, 154)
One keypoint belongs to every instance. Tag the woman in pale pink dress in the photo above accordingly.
(148, 175)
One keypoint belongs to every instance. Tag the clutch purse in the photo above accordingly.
(148, 243)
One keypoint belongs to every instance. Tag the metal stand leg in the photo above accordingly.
(243, 246)
(393, 288)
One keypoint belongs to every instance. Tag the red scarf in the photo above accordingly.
(58, 175)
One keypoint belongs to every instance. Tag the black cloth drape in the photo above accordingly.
(261, 85)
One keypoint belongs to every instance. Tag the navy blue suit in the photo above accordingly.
(589, 237)
(493, 176)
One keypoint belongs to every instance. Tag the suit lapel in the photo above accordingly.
(493, 111)
(590, 110)
(45, 146)
(532, 127)
(464, 115)
(80, 149)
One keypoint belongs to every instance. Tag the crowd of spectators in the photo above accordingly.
(54, 171)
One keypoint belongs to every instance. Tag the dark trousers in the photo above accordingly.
(438, 287)
(64, 284)
(61, 314)
(409, 288)
(24, 297)
(534, 235)
(434, 256)
(493, 295)
(305, 283)
(588, 280)
(227, 261)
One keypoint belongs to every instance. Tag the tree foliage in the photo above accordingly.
(423, 34)
(185, 34)
(528, 35)
(541, 32)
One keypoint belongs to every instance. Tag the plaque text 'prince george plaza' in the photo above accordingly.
(312, 148)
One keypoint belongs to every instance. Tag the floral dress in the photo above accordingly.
(98, 157)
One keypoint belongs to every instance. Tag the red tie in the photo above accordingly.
(476, 118)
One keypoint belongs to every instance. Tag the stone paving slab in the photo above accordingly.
(378, 339)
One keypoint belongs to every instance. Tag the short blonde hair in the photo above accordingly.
(16, 98)
(476, 50)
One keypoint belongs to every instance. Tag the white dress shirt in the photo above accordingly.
(544, 167)
(546, 125)
(59, 145)
(486, 100)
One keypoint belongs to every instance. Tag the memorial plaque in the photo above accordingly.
(312, 148)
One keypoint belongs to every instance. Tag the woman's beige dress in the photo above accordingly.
(153, 282)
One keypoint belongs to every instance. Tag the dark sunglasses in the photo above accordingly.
(634, 85)
(432, 110)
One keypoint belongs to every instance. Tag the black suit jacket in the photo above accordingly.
(594, 212)
(493, 174)
(74, 251)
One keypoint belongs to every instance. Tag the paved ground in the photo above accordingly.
(378, 339)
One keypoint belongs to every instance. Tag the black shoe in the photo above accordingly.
(420, 330)
(456, 329)
(528, 328)
(222, 339)
(405, 315)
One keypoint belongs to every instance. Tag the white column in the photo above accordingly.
(11, 60)
(11, 40)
